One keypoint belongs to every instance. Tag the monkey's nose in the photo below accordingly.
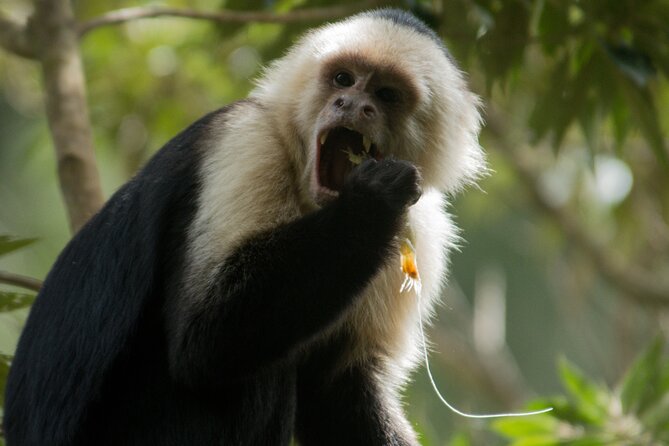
(339, 103)
(368, 111)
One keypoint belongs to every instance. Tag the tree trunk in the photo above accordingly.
(57, 47)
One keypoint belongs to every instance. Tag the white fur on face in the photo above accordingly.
(441, 137)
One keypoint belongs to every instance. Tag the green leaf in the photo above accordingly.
(553, 25)
(9, 244)
(590, 122)
(656, 416)
(537, 440)
(620, 118)
(639, 386)
(571, 413)
(590, 399)
(10, 301)
(459, 439)
(587, 441)
(502, 46)
(526, 426)
(568, 96)
(645, 113)
(549, 105)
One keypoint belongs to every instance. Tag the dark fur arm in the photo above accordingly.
(350, 409)
(282, 287)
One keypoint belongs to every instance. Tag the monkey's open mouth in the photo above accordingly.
(339, 150)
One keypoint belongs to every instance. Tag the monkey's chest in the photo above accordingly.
(385, 322)
(384, 318)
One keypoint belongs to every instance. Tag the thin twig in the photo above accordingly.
(224, 16)
(13, 38)
(641, 285)
(20, 281)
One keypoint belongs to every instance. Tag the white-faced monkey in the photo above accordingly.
(244, 287)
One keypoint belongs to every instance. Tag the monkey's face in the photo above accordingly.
(374, 87)
(363, 106)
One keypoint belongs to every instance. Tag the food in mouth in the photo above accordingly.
(339, 150)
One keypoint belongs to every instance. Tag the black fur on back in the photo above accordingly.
(89, 314)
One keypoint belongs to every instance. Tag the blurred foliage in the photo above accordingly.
(635, 413)
(599, 59)
(581, 88)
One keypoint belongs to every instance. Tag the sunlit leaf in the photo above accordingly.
(526, 426)
(536, 440)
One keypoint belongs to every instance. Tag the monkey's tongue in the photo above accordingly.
(339, 169)
(334, 168)
(334, 163)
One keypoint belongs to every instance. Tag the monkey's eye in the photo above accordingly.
(389, 95)
(343, 79)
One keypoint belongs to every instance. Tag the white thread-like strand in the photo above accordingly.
(443, 400)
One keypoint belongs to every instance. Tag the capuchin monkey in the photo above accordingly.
(244, 287)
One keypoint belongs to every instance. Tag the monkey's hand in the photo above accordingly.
(394, 184)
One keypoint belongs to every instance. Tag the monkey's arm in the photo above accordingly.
(282, 287)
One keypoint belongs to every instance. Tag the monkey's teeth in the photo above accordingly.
(324, 137)
(366, 143)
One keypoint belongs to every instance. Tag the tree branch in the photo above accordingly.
(56, 41)
(13, 38)
(20, 281)
(638, 284)
(224, 16)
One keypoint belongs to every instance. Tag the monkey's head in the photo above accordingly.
(378, 84)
